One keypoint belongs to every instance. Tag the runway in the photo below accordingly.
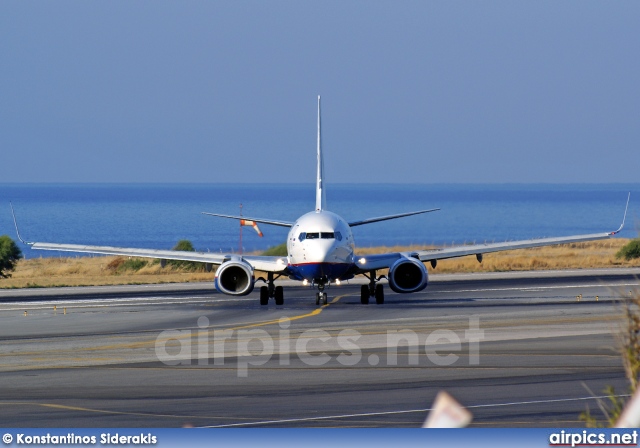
(517, 349)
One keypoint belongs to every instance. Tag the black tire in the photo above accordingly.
(379, 294)
(279, 295)
(317, 298)
(264, 295)
(364, 294)
(324, 298)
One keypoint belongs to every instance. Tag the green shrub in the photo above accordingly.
(186, 246)
(630, 251)
(277, 251)
(10, 253)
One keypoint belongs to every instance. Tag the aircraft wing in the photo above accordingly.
(479, 249)
(261, 263)
(382, 261)
(204, 257)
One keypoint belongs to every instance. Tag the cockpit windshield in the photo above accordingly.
(316, 235)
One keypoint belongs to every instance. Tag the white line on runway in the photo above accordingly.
(409, 411)
(542, 288)
(130, 301)
(164, 300)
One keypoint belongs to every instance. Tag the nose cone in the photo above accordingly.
(325, 260)
(327, 251)
(319, 250)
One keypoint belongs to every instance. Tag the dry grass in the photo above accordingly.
(84, 271)
(72, 271)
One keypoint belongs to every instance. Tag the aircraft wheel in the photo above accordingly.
(364, 294)
(317, 298)
(324, 298)
(264, 295)
(379, 294)
(279, 295)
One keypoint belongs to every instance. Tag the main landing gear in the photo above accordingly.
(271, 291)
(373, 289)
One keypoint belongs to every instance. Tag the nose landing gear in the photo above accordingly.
(321, 295)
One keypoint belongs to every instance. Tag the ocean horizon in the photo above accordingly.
(158, 215)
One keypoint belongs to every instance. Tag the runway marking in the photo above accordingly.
(409, 411)
(104, 411)
(291, 420)
(542, 288)
(168, 300)
(146, 343)
(106, 303)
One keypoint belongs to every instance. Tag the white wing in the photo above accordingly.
(475, 249)
(261, 263)
(382, 261)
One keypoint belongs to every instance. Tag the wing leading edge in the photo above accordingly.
(382, 261)
(260, 263)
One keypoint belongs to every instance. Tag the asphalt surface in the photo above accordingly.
(516, 349)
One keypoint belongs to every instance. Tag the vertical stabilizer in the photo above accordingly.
(321, 201)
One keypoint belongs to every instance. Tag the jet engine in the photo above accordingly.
(235, 278)
(408, 275)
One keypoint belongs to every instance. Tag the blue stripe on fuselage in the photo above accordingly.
(318, 271)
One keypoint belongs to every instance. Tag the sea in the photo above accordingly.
(159, 215)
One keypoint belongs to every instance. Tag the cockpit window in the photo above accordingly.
(315, 235)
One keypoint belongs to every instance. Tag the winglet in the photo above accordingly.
(624, 218)
(15, 223)
(321, 200)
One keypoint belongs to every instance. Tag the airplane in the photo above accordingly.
(320, 252)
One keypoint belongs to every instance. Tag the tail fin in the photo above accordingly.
(321, 199)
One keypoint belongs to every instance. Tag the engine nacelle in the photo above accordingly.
(235, 278)
(408, 275)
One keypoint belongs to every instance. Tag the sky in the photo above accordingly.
(412, 91)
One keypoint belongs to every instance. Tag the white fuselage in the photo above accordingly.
(320, 247)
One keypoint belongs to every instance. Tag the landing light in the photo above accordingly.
(338, 282)
(362, 260)
(305, 282)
